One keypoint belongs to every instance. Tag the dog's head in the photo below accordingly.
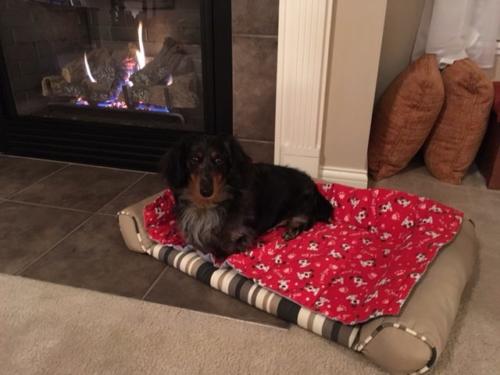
(206, 168)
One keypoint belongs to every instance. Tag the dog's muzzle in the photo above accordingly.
(206, 186)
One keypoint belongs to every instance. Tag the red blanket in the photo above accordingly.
(362, 265)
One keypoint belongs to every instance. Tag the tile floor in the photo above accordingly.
(57, 223)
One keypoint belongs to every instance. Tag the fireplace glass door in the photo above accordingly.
(137, 62)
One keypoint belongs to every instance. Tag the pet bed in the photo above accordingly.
(408, 342)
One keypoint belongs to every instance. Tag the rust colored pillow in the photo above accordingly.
(404, 117)
(459, 130)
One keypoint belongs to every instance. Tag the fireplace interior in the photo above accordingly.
(142, 71)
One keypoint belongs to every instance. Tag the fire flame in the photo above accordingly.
(141, 55)
(87, 68)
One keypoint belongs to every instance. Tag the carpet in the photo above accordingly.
(52, 329)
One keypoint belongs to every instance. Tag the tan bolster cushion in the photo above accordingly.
(404, 117)
(429, 312)
(131, 223)
(460, 127)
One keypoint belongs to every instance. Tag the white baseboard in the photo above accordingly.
(344, 176)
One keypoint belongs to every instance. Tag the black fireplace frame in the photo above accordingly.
(125, 146)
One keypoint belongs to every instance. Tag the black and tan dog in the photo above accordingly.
(224, 201)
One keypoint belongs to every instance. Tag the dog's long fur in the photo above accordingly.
(224, 201)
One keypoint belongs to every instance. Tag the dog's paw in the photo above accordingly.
(290, 233)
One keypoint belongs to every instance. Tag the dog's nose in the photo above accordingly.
(206, 191)
(206, 188)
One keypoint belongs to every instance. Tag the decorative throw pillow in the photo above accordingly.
(459, 130)
(404, 117)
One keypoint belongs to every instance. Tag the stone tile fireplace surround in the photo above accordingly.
(255, 48)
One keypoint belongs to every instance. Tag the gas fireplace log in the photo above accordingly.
(151, 74)
(125, 63)
(109, 70)
(170, 61)
(74, 72)
(104, 75)
(182, 93)
(120, 55)
(56, 86)
(96, 92)
(168, 80)
(146, 94)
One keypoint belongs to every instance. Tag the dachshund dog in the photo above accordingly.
(223, 201)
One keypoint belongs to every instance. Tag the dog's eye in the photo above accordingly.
(195, 159)
(218, 161)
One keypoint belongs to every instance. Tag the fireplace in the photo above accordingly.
(113, 82)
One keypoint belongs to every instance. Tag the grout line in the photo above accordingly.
(154, 283)
(256, 36)
(76, 209)
(255, 140)
(106, 167)
(105, 214)
(74, 163)
(24, 268)
(49, 206)
(38, 181)
(11, 197)
(123, 192)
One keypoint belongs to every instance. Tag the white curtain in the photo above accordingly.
(456, 29)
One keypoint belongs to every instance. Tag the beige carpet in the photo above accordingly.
(52, 329)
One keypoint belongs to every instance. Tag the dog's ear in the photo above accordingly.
(239, 159)
(173, 166)
(241, 164)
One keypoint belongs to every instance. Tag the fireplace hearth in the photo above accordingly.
(113, 82)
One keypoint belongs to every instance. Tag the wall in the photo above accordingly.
(255, 45)
(401, 25)
(496, 69)
(496, 76)
(354, 57)
(494, 72)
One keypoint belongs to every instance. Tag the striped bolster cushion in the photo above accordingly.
(228, 281)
